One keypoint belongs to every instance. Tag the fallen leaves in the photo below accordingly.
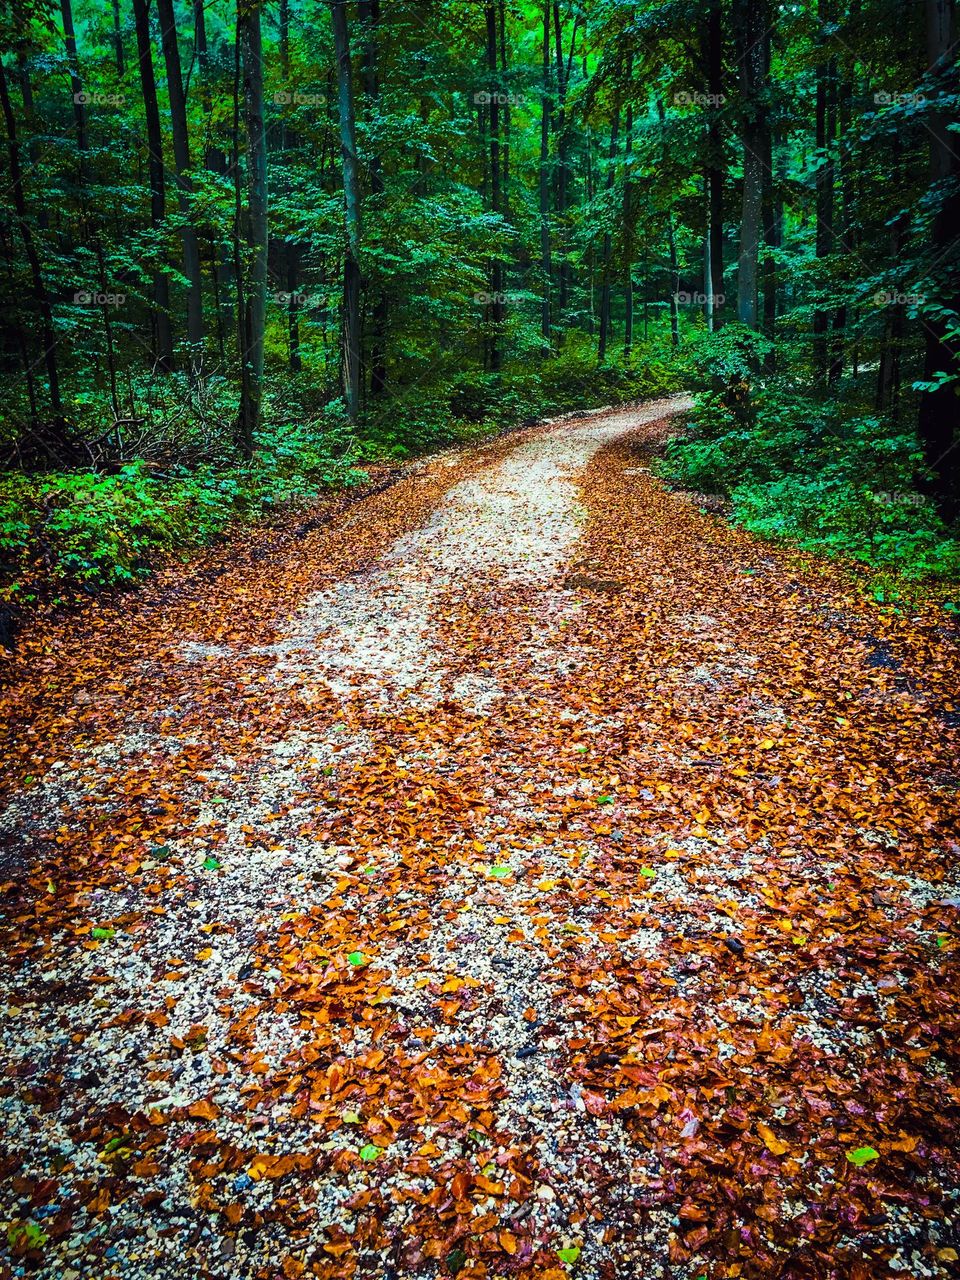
(670, 930)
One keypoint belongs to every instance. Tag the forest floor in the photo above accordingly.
(525, 872)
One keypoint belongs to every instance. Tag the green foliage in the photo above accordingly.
(828, 479)
(87, 530)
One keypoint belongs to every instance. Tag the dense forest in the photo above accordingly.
(249, 248)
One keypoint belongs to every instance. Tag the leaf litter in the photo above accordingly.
(518, 879)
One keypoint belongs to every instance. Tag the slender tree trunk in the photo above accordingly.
(76, 85)
(847, 235)
(754, 60)
(825, 110)
(505, 146)
(41, 297)
(351, 199)
(181, 160)
(118, 39)
(771, 241)
(938, 415)
(496, 308)
(715, 167)
(545, 263)
(628, 232)
(671, 242)
(257, 233)
(215, 160)
(674, 283)
(608, 245)
(162, 337)
(370, 14)
(563, 166)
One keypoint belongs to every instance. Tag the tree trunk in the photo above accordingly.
(255, 310)
(938, 415)
(545, 263)
(496, 308)
(754, 36)
(825, 116)
(608, 245)
(118, 39)
(215, 160)
(181, 161)
(162, 337)
(628, 233)
(715, 167)
(76, 86)
(370, 14)
(350, 324)
(563, 168)
(48, 334)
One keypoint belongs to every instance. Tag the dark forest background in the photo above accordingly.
(249, 248)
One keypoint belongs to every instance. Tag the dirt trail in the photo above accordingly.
(526, 875)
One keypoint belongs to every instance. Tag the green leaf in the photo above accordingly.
(357, 958)
(605, 799)
(99, 932)
(370, 1152)
(210, 863)
(862, 1156)
(569, 1255)
(500, 871)
(648, 873)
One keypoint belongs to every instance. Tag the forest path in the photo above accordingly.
(525, 874)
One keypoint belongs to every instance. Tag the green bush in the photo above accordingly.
(830, 479)
(88, 530)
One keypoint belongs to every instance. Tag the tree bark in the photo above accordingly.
(181, 161)
(628, 234)
(496, 308)
(608, 245)
(754, 61)
(162, 336)
(257, 229)
(350, 322)
(938, 414)
(41, 297)
(370, 14)
(715, 167)
(545, 263)
(825, 128)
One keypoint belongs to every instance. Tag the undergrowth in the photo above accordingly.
(65, 533)
(826, 475)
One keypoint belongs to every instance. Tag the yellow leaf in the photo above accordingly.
(771, 1141)
(905, 1143)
